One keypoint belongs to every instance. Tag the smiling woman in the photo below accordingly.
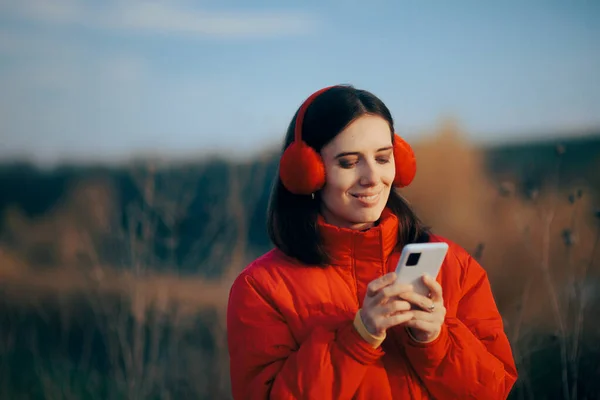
(322, 315)
(351, 130)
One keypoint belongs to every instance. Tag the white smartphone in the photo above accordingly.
(418, 259)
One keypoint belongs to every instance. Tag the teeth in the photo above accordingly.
(368, 197)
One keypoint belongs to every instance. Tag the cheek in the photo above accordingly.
(388, 174)
(338, 182)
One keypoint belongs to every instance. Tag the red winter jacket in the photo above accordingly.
(291, 333)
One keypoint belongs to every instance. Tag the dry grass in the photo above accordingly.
(538, 250)
(523, 236)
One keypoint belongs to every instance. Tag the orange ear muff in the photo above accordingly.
(405, 161)
(301, 168)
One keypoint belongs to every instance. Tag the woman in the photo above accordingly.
(320, 316)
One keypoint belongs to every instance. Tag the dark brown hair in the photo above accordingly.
(292, 219)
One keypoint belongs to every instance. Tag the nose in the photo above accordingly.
(369, 175)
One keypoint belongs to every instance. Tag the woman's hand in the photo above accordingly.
(382, 308)
(426, 324)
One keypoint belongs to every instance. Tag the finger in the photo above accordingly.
(374, 286)
(393, 290)
(397, 319)
(417, 299)
(425, 316)
(395, 306)
(424, 326)
(434, 287)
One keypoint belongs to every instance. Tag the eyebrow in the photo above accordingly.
(356, 153)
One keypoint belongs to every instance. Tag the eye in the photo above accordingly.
(345, 163)
(383, 160)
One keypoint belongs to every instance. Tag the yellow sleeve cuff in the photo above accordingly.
(360, 327)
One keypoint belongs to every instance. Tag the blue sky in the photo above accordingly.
(89, 81)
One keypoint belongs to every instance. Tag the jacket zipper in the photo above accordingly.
(355, 281)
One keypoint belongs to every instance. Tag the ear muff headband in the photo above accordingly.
(301, 168)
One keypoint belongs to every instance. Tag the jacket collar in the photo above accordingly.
(375, 245)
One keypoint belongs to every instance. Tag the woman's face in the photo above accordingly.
(359, 166)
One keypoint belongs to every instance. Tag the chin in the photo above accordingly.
(365, 216)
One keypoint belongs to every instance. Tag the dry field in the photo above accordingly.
(79, 328)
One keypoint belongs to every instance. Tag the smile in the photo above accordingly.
(367, 198)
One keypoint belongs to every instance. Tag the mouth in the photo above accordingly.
(366, 197)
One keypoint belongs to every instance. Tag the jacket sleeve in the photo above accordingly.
(471, 358)
(267, 362)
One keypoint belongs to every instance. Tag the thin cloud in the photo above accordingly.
(60, 11)
(154, 17)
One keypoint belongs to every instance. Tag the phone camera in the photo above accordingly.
(413, 259)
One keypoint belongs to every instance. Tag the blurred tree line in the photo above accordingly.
(200, 222)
